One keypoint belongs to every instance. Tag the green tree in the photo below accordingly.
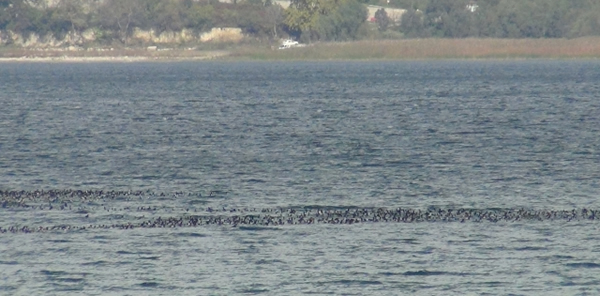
(587, 22)
(17, 16)
(71, 12)
(325, 19)
(199, 17)
(486, 19)
(412, 24)
(441, 15)
(343, 22)
(170, 15)
(5, 14)
(275, 15)
(121, 17)
(252, 19)
(459, 23)
(382, 19)
(303, 15)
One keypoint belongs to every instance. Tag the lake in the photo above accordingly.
(201, 178)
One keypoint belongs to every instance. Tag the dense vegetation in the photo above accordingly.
(325, 19)
(308, 20)
(503, 19)
(115, 20)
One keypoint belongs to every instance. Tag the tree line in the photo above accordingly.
(501, 18)
(115, 20)
(306, 20)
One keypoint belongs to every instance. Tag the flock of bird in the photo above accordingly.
(122, 210)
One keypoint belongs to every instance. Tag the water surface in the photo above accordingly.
(452, 134)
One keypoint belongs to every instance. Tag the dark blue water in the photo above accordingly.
(470, 134)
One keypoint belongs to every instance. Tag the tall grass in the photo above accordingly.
(470, 48)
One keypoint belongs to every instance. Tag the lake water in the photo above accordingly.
(215, 141)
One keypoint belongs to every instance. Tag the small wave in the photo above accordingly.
(583, 265)
(149, 284)
(268, 262)
(430, 273)
(255, 181)
(59, 241)
(425, 273)
(193, 234)
(257, 228)
(95, 263)
(254, 291)
(149, 257)
(53, 272)
(531, 249)
(63, 276)
(354, 282)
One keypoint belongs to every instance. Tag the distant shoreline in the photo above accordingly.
(18, 55)
(124, 59)
(406, 49)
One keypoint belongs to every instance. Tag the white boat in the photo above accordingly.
(289, 43)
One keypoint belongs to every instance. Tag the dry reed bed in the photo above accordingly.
(470, 48)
